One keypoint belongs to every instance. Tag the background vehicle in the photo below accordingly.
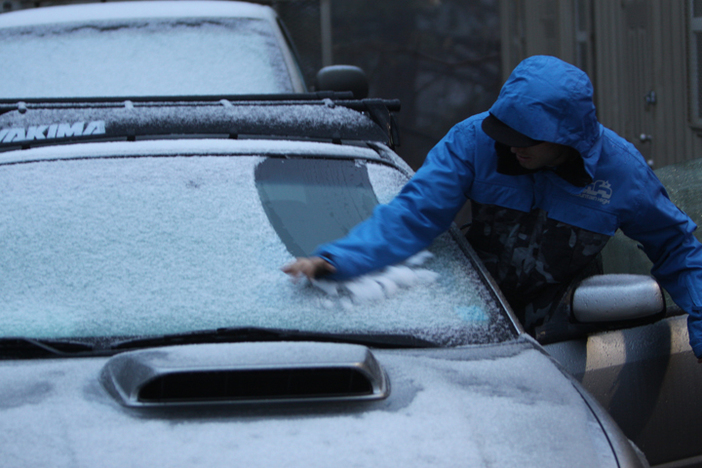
(157, 48)
(145, 318)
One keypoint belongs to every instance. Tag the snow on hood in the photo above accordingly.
(492, 406)
(548, 99)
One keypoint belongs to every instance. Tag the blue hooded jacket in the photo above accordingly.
(548, 100)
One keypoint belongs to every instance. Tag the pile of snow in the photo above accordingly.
(379, 285)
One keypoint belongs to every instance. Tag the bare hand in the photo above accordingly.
(311, 267)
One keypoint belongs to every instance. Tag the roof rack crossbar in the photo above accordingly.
(17, 127)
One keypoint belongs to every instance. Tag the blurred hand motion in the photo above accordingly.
(311, 267)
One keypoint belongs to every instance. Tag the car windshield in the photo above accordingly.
(140, 246)
(142, 58)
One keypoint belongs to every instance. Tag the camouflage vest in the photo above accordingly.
(532, 258)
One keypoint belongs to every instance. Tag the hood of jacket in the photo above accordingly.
(550, 100)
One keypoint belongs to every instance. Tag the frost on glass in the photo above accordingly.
(387, 182)
(141, 246)
(145, 58)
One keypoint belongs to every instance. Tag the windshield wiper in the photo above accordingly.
(37, 348)
(244, 334)
(29, 348)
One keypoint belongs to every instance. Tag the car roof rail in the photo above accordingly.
(341, 97)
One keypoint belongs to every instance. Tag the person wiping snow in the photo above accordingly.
(548, 185)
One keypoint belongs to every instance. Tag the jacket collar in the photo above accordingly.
(572, 171)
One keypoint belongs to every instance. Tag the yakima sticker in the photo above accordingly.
(48, 132)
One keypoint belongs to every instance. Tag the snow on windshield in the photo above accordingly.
(139, 246)
(145, 58)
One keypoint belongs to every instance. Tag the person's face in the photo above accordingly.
(544, 154)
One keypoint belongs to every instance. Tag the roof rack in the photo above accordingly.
(320, 116)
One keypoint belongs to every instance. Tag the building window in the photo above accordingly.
(695, 61)
(583, 42)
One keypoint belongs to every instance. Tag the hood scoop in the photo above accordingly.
(244, 373)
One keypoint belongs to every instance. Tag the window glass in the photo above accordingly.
(147, 58)
(694, 59)
(143, 246)
(583, 36)
(697, 8)
(310, 202)
(698, 63)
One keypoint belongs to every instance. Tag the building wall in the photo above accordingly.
(635, 52)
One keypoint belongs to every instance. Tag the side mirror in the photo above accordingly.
(343, 78)
(617, 298)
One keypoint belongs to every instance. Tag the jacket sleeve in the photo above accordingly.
(666, 235)
(423, 209)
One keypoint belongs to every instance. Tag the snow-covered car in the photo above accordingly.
(153, 48)
(145, 320)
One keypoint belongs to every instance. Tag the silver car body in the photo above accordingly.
(648, 380)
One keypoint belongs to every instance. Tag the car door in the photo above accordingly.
(649, 381)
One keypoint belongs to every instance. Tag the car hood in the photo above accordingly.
(505, 405)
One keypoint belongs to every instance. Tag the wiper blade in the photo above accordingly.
(244, 334)
(29, 348)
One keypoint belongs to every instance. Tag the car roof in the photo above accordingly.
(134, 10)
(194, 147)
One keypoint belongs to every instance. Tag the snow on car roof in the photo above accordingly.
(183, 147)
(131, 10)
